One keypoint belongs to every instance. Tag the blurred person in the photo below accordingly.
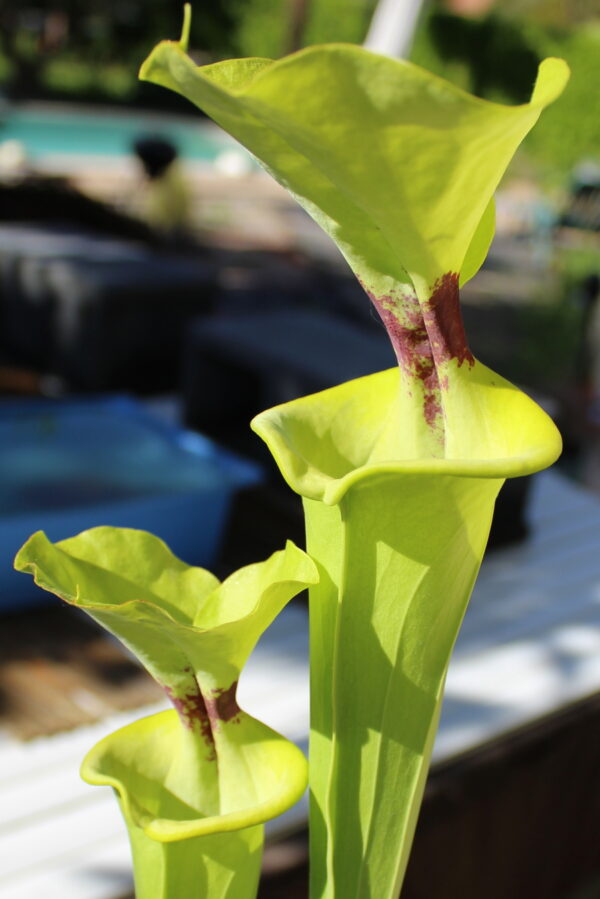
(55, 31)
(469, 8)
(165, 203)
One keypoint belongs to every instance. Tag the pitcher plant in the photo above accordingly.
(195, 784)
(398, 471)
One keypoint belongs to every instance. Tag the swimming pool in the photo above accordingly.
(46, 131)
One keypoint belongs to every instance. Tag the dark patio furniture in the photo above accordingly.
(99, 313)
(120, 323)
(26, 301)
(236, 365)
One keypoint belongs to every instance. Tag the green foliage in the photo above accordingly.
(76, 77)
(335, 21)
(473, 53)
(105, 41)
(262, 28)
(98, 45)
(570, 131)
(496, 57)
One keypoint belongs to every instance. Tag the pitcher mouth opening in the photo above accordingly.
(102, 767)
(328, 442)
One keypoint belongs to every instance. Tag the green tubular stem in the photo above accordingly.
(390, 603)
(398, 541)
(225, 865)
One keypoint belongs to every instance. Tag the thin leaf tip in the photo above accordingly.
(184, 40)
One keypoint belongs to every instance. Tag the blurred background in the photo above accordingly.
(157, 289)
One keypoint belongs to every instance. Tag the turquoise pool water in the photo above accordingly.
(50, 132)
